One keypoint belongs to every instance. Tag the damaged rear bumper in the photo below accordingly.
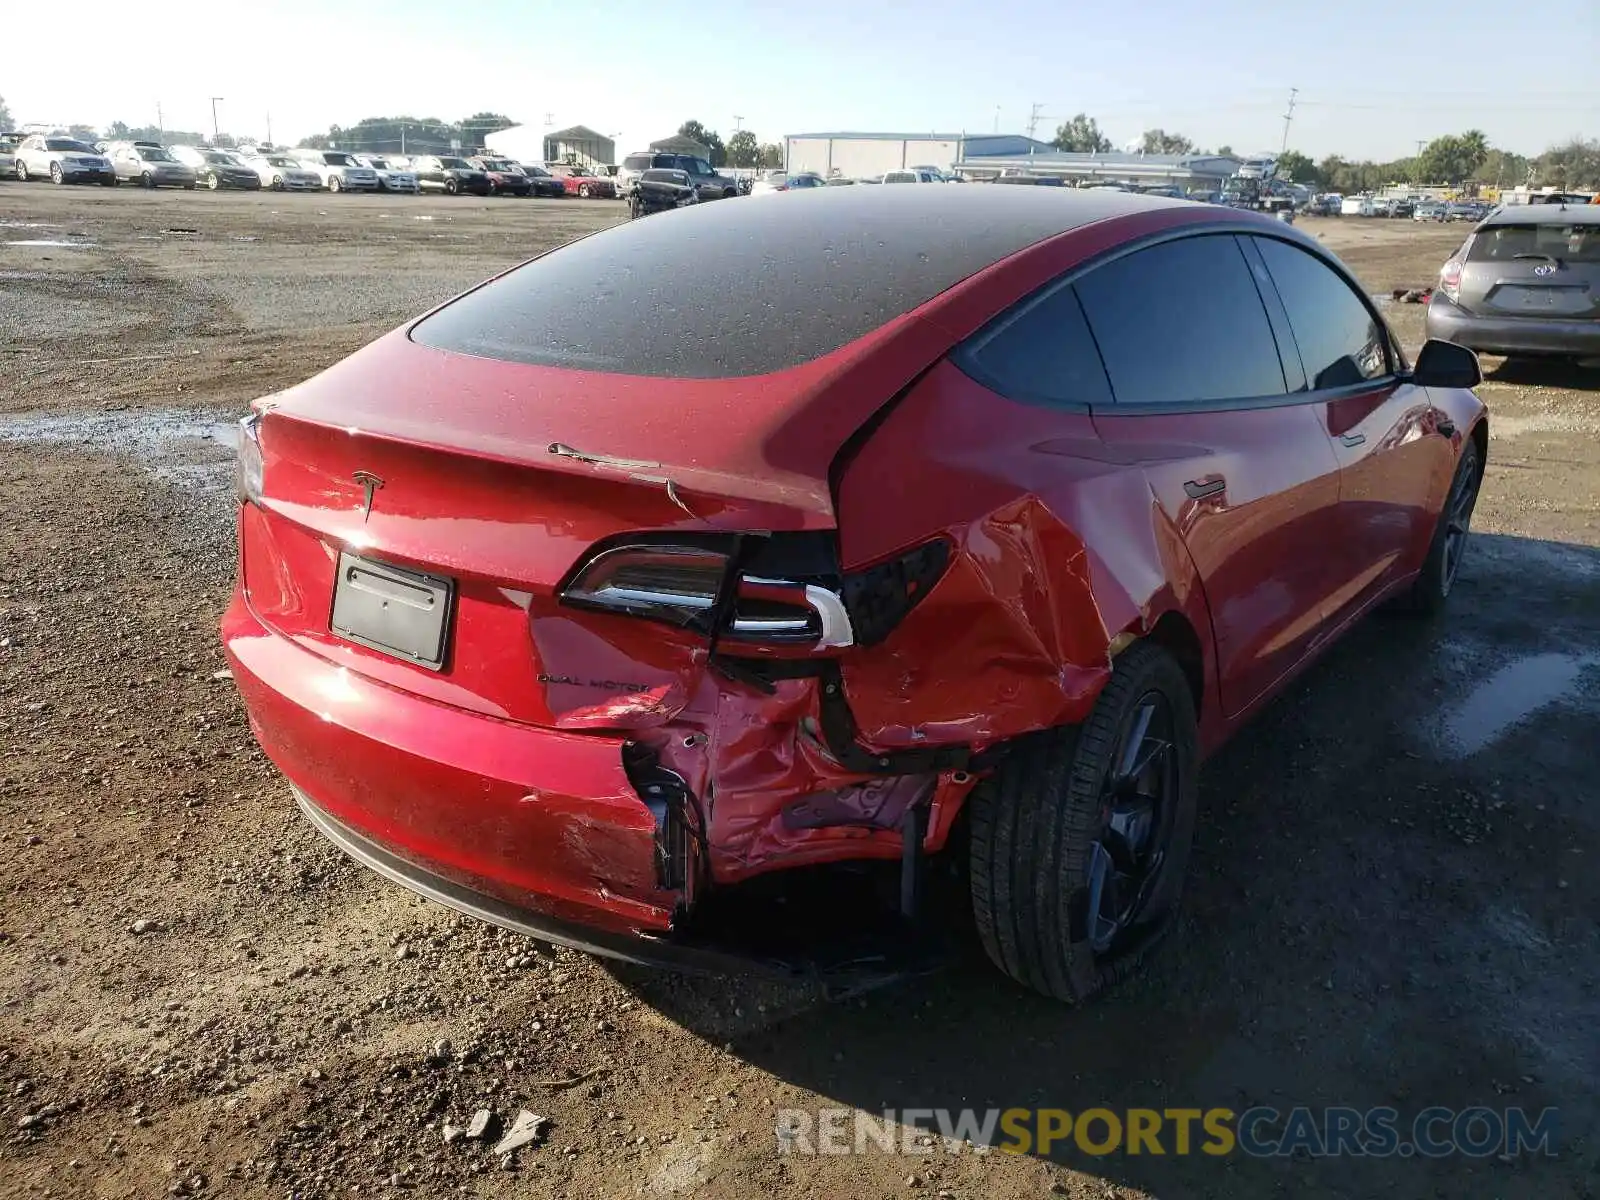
(537, 819)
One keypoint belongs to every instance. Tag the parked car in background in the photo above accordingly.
(979, 592)
(541, 182)
(8, 152)
(282, 173)
(505, 177)
(782, 181)
(580, 181)
(1465, 210)
(339, 170)
(149, 165)
(217, 169)
(658, 190)
(1403, 209)
(912, 176)
(392, 175)
(61, 160)
(708, 183)
(1428, 210)
(450, 174)
(1526, 282)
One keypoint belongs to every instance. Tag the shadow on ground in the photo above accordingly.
(1392, 903)
(1545, 372)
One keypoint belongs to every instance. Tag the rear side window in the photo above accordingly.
(1340, 341)
(1041, 354)
(1538, 241)
(1182, 321)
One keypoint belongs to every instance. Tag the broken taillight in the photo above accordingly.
(684, 585)
(247, 471)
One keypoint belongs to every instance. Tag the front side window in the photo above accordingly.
(1182, 322)
(1340, 341)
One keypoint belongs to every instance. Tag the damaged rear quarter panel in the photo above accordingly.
(1057, 548)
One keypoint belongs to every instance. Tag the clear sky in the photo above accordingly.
(1375, 76)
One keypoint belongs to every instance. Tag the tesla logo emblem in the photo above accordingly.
(1544, 269)
(370, 483)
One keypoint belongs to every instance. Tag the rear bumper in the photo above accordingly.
(504, 818)
(1512, 335)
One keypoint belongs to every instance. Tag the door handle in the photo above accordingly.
(1353, 439)
(1211, 487)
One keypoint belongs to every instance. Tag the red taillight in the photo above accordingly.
(1450, 273)
(683, 586)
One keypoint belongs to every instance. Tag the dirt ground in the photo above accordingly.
(1394, 893)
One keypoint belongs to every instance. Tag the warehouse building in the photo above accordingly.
(983, 156)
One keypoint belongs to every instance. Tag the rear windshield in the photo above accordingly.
(339, 160)
(152, 155)
(716, 291)
(1539, 240)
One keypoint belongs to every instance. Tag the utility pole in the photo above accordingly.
(997, 118)
(215, 133)
(269, 129)
(1034, 116)
(1421, 142)
(738, 122)
(161, 129)
(1288, 117)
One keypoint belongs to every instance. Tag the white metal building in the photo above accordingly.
(858, 154)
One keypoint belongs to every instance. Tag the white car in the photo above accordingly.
(772, 182)
(282, 173)
(393, 176)
(913, 176)
(8, 157)
(339, 171)
(62, 160)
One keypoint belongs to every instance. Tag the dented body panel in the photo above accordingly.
(606, 767)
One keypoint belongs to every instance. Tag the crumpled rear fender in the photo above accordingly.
(1057, 549)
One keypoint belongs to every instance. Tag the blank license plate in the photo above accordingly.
(1550, 299)
(403, 613)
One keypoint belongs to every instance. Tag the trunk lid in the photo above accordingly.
(439, 463)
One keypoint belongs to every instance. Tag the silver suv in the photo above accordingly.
(708, 185)
(1526, 282)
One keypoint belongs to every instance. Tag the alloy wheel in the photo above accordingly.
(56, 175)
(1137, 801)
(1458, 520)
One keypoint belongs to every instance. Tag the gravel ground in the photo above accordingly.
(1393, 902)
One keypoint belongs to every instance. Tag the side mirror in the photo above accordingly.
(1446, 365)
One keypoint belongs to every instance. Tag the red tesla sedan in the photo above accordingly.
(925, 525)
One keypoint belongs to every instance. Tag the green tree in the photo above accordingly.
(1081, 134)
(1225, 151)
(1159, 141)
(709, 138)
(1297, 168)
(1503, 169)
(479, 125)
(771, 156)
(1450, 159)
(118, 131)
(5, 116)
(743, 149)
(1576, 164)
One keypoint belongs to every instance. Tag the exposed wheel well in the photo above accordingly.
(1480, 435)
(1173, 633)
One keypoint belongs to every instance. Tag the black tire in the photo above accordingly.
(451, 187)
(277, 183)
(57, 175)
(21, 170)
(1037, 821)
(334, 185)
(1451, 537)
(213, 182)
(112, 182)
(583, 191)
(147, 180)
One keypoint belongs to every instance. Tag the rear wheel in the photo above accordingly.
(213, 182)
(22, 171)
(147, 180)
(56, 174)
(583, 191)
(1080, 840)
(334, 185)
(451, 187)
(1449, 546)
(277, 183)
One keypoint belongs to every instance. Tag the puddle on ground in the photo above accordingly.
(60, 243)
(1510, 696)
(150, 434)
